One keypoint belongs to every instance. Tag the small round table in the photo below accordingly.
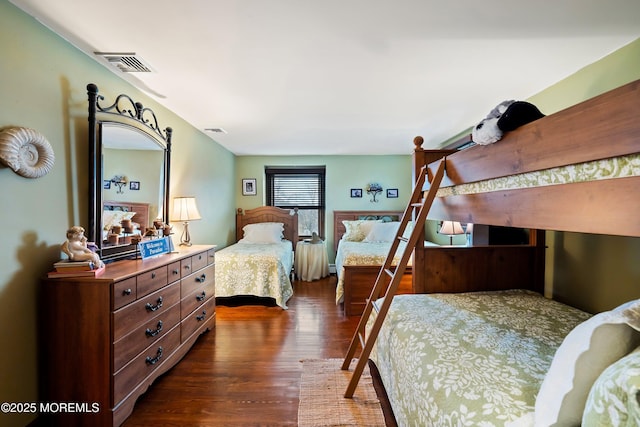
(311, 261)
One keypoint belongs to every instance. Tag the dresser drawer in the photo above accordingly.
(189, 284)
(143, 336)
(144, 364)
(174, 272)
(144, 309)
(152, 280)
(185, 267)
(124, 292)
(199, 261)
(198, 317)
(196, 299)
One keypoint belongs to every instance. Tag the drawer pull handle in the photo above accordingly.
(202, 278)
(151, 333)
(201, 317)
(175, 272)
(153, 275)
(153, 360)
(202, 296)
(154, 307)
(126, 292)
(187, 267)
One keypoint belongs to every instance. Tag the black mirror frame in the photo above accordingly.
(123, 111)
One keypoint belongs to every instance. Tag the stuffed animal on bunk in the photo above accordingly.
(507, 116)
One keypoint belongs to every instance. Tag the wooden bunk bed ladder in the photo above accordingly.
(389, 278)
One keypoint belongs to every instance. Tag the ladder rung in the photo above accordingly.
(389, 272)
(404, 239)
(417, 205)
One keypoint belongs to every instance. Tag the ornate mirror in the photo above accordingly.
(129, 158)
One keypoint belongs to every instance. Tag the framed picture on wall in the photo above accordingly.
(249, 187)
(392, 193)
(106, 184)
(356, 192)
(134, 185)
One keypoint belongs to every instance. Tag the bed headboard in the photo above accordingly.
(339, 216)
(269, 214)
(603, 128)
(141, 209)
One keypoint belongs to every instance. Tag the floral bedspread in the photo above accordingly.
(361, 253)
(616, 167)
(259, 269)
(469, 359)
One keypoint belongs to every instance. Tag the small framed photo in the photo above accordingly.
(134, 185)
(106, 184)
(392, 193)
(356, 192)
(249, 187)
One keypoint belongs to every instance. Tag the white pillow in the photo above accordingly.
(584, 354)
(358, 229)
(264, 232)
(382, 232)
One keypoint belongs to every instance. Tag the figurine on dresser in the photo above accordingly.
(76, 247)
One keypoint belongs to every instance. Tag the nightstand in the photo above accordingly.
(311, 261)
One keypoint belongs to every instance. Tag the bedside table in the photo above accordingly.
(311, 261)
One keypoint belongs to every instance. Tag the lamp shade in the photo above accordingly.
(451, 228)
(185, 209)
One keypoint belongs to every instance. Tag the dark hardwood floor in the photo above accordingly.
(247, 371)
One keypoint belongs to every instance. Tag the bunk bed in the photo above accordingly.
(489, 349)
(260, 263)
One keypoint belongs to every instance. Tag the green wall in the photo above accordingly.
(343, 174)
(43, 83)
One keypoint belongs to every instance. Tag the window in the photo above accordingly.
(301, 187)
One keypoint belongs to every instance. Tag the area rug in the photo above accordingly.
(322, 401)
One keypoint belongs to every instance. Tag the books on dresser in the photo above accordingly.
(76, 271)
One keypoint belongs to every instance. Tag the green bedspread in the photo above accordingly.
(258, 269)
(469, 359)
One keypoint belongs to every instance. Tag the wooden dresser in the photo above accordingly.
(104, 340)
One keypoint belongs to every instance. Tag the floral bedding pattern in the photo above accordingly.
(617, 167)
(469, 359)
(259, 269)
(361, 253)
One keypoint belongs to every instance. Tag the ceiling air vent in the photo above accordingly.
(126, 62)
(215, 130)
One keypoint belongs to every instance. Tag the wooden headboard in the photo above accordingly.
(339, 216)
(603, 127)
(141, 209)
(269, 214)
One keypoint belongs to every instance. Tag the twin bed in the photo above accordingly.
(485, 347)
(260, 263)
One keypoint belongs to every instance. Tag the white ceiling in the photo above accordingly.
(293, 77)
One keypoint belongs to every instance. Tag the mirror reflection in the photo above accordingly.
(133, 183)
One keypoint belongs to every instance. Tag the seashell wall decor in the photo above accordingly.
(26, 151)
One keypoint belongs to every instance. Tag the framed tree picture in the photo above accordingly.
(356, 192)
(392, 193)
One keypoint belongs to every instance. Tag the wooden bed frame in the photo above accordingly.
(602, 127)
(359, 279)
(141, 209)
(269, 214)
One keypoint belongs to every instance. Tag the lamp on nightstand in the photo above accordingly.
(451, 228)
(185, 210)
